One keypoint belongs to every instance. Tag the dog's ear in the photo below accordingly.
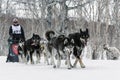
(33, 34)
(87, 30)
(80, 30)
(72, 40)
(65, 41)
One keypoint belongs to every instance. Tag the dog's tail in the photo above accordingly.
(49, 35)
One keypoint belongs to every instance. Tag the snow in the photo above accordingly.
(95, 70)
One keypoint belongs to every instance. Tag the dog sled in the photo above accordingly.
(13, 51)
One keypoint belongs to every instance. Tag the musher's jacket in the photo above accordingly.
(17, 32)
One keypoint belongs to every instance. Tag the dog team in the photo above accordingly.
(65, 46)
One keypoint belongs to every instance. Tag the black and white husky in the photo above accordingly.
(63, 45)
(80, 41)
(28, 48)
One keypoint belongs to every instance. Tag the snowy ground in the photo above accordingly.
(95, 70)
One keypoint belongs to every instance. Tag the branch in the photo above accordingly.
(53, 3)
(69, 8)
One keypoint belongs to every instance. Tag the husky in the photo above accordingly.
(62, 44)
(80, 41)
(30, 46)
